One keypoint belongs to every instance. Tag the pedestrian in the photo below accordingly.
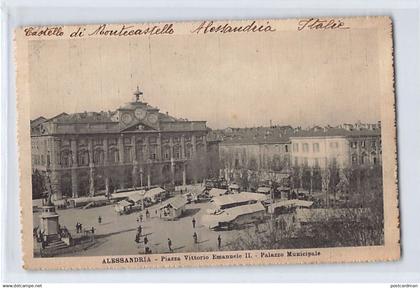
(145, 240)
(99, 219)
(137, 240)
(141, 217)
(195, 237)
(139, 229)
(147, 214)
(170, 245)
(137, 219)
(193, 223)
(219, 242)
(77, 227)
(93, 230)
(80, 227)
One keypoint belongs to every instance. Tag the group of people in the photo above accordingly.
(79, 228)
(195, 235)
(139, 234)
(147, 213)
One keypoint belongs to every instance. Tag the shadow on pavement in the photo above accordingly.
(99, 236)
(190, 212)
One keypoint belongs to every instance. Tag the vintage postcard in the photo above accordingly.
(207, 143)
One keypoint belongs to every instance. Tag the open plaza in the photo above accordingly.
(116, 233)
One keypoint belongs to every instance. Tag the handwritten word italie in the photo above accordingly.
(318, 24)
(209, 27)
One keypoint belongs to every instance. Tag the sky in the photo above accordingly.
(229, 80)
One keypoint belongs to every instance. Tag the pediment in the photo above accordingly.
(138, 127)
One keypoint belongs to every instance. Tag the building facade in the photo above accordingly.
(135, 146)
(305, 154)
(344, 147)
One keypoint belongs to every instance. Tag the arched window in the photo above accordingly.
(114, 155)
(98, 156)
(177, 152)
(188, 150)
(166, 152)
(83, 158)
(65, 158)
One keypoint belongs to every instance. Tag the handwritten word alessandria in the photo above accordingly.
(318, 24)
(209, 27)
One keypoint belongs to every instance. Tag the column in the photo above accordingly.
(105, 164)
(121, 156)
(184, 175)
(135, 161)
(135, 174)
(194, 144)
(148, 178)
(146, 140)
(141, 176)
(121, 148)
(311, 179)
(54, 164)
(74, 180)
(91, 169)
(182, 147)
(171, 155)
(159, 148)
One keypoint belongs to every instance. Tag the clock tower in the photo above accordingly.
(138, 112)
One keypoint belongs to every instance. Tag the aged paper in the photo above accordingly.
(207, 143)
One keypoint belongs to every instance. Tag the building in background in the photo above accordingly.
(344, 146)
(135, 146)
(264, 154)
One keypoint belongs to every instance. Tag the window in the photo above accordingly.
(114, 156)
(166, 153)
(188, 151)
(363, 144)
(152, 151)
(305, 147)
(98, 156)
(316, 162)
(65, 159)
(112, 141)
(373, 144)
(334, 145)
(295, 147)
(305, 161)
(354, 159)
(97, 141)
(83, 158)
(127, 141)
(315, 147)
(177, 152)
(127, 155)
(354, 144)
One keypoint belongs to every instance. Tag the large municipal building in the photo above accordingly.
(89, 153)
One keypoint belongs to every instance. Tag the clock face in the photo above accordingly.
(126, 118)
(140, 113)
(152, 118)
